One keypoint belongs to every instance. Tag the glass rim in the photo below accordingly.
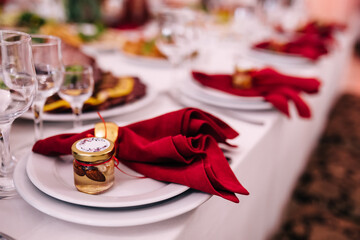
(5, 42)
(44, 36)
(85, 69)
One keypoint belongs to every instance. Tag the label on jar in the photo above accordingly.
(93, 144)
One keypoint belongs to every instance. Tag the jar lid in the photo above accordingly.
(92, 149)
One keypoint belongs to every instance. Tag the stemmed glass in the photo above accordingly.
(246, 26)
(17, 90)
(77, 86)
(283, 16)
(48, 66)
(178, 35)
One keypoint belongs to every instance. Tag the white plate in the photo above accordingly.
(239, 103)
(112, 217)
(272, 57)
(54, 177)
(219, 94)
(115, 111)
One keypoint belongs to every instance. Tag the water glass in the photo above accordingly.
(17, 90)
(77, 86)
(48, 66)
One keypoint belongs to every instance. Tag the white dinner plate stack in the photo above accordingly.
(47, 183)
(195, 91)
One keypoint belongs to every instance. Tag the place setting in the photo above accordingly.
(252, 87)
(297, 41)
(48, 181)
(55, 45)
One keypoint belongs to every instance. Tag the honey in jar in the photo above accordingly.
(93, 164)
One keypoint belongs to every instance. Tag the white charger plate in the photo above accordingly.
(210, 92)
(115, 111)
(223, 100)
(105, 217)
(54, 176)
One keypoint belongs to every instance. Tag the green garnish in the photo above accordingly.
(99, 29)
(3, 85)
(31, 21)
(148, 47)
(73, 78)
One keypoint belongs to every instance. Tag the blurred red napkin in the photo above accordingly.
(180, 147)
(323, 30)
(275, 87)
(310, 46)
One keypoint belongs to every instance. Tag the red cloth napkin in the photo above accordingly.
(180, 147)
(310, 46)
(275, 87)
(324, 31)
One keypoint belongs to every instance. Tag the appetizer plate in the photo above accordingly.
(115, 111)
(106, 217)
(54, 176)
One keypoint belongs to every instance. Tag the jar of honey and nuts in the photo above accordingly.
(93, 164)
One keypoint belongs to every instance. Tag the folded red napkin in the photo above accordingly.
(310, 46)
(323, 30)
(275, 87)
(180, 147)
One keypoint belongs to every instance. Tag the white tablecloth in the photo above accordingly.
(268, 162)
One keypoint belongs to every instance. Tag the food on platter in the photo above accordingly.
(109, 92)
(142, 47)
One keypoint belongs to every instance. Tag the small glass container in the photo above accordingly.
(93, 164)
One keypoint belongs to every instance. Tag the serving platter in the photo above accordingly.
(111, 112)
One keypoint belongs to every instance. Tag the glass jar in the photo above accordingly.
(93, 164)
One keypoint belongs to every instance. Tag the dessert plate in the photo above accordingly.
(106, 217)
(54, 176)
(115, 111)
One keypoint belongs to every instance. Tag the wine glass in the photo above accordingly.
(246, 26)
(283, 16)
(178, 34)
(48, 66)
(17, 90)
(77, 86)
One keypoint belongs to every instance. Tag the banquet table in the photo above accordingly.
(271, 154)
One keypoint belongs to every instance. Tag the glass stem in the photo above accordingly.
(77, 113)
(7, 164)
(175, 65)
(38, 109)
